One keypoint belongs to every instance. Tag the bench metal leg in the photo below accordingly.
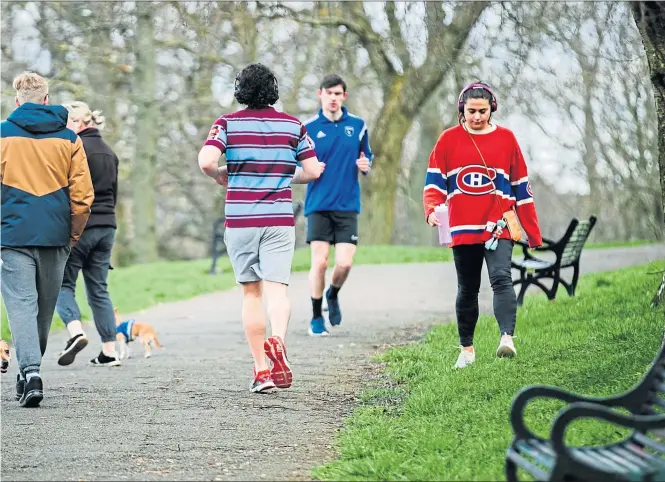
(576, 277)
(520, 296)
(511, 470)
(551, 294)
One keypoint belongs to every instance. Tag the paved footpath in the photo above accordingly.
(187, 414)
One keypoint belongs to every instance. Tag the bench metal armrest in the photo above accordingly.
(577, 410)
(548, 245)
(539, 391)
(525, 249)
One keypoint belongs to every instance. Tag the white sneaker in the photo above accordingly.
(465, 358)
(506, 347)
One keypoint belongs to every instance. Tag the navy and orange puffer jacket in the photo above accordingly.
(46, 186)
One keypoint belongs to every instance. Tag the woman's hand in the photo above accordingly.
(432, 220)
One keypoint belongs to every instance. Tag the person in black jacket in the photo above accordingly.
(92, 254)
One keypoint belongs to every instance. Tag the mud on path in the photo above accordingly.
(187, 414)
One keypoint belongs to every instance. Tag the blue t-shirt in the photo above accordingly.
(125, 328)
(339, 145)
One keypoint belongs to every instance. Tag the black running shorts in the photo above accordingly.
(333, 227)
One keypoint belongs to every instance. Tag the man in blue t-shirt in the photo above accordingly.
(332, 202)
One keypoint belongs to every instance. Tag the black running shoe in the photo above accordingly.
(33, 393)
(20, 387)
(107, 361)
(74, 345)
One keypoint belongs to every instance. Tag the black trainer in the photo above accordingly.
(33, 393)
(74, 345)
(20, 387)
(104, 360)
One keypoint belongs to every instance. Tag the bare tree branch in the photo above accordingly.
(350, 15)
(396, 35)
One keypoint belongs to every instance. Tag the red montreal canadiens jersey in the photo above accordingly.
(456, 174)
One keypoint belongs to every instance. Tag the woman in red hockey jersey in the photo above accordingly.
(477, 168)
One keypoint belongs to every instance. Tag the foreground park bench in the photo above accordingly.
(218, 245)
(639, 456)
(567, 251)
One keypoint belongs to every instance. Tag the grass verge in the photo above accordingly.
(144, 285)
(429, 422)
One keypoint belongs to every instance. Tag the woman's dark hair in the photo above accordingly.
(332, 80)
(477, 93)
(256, 86)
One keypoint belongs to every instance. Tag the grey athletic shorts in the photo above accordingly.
(261, 253)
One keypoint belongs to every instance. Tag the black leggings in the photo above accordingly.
(469, 264)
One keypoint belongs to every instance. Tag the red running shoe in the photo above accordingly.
(281, 371)
(262, 381)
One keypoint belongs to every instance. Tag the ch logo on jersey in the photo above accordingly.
(474, 180)
(528, 189)
(348, 130)
(320, 135)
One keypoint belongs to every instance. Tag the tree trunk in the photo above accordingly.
(380, 187)
(143, 178)
(650, 20)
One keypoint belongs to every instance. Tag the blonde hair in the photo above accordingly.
(80, 111)
(30, 87)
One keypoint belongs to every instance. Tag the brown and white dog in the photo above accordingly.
(130, 330)
(6, 356)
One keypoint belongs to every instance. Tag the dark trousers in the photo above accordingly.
(469, 263)
(92, 255)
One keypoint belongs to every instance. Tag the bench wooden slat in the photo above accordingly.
(534, 449)
(649, 442)
(624, 462)
(635, 458)
(654, 460)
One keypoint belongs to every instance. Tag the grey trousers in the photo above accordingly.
(30, 284)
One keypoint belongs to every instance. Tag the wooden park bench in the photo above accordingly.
(639, 456)
(218, 245)
(567, 251)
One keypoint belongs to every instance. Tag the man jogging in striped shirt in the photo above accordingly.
(262, 147)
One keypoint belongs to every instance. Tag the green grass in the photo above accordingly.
(141, 286)
(425, 421)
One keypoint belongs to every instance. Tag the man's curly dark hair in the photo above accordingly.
(256, 86)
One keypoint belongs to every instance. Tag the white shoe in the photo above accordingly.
(506, 347)
(465, 358)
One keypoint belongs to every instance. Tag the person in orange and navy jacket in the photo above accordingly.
(477, 168)
(46, 197)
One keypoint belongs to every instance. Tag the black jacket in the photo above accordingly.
(103, 165)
